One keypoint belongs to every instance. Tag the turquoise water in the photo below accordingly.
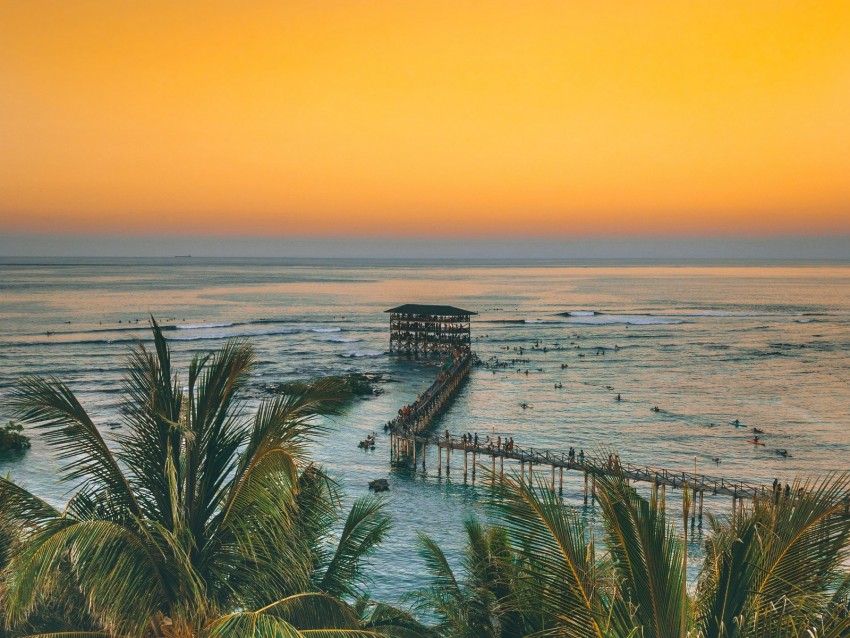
(707, 344)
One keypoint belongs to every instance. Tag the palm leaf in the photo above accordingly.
(309, 614)
(647, 559)
(113, 567)
(558, 559)
(365, 528)
(151, 407)
(21, 507)
(392, 622)
(52, 407)
(777, 566)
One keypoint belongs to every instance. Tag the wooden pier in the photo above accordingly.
(444, 330)
(411, 448)
(413, 420)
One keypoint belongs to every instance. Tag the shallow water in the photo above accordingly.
(706, 344)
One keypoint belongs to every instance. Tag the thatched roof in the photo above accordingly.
(430, 309)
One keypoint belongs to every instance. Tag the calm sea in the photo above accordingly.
(707, 344)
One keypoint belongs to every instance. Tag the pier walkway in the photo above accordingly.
(414, 419)
(410, 449)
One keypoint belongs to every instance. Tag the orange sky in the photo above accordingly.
(425, 118)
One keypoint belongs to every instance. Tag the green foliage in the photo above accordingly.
(481, 603)
(198, 513)
(11, 437)
(354, 384)
(778, 571)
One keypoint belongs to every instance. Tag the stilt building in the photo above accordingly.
(424, 330)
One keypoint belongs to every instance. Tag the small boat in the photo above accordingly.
(758, 431)
(783, 453)
(755, 441)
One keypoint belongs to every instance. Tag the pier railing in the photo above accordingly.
(415, 419)
(410, 447)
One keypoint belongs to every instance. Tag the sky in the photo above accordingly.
(425, 119)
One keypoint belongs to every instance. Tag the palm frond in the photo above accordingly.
(392, 622)
(559, 565)
(151, 407)
(22, 507)
(113, 567)
(52, 407)
(74, 634)
(779, 563)
(308, 614)
(647, 560)
(365, 528)
(219, 432)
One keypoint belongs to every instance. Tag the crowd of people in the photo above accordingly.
(408, 415)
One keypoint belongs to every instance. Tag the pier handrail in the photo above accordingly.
(419, 416)
(595, 463)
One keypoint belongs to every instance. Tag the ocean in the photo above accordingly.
(708, 343)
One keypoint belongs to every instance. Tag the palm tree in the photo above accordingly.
(477, 605)
(779, 570)
(196, 515)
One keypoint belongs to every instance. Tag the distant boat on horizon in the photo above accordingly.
(182, 256)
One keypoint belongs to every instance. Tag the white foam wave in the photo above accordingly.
(540, 321)
(200, 326)
(728, 313)
(356, 354)
(228, 335)
(635, 320)
(581, 313)
(325, 329)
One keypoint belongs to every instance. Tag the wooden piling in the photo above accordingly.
(585, 487)
(561, 481)
(439, 460)
(465, 462)
(553, 478)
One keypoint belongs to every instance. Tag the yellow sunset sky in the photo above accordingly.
(410, 118)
